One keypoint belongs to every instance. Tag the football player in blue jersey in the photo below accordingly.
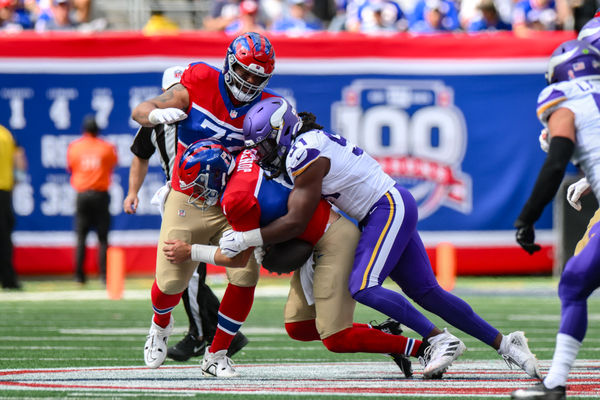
(569, 109)
(208, 103)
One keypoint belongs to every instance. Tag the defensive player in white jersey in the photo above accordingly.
(569, 109)
(322, 164)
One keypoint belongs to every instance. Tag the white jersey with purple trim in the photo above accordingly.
(355, 181)
(582, 97)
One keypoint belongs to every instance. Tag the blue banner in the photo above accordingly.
(466, 145)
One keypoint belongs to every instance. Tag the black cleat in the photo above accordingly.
(238, 342)
(187, 348)
(404, 363)
(390, 326)
(393, 327)
(540, 392)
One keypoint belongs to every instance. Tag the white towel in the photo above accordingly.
(307, 274)
(160, 196)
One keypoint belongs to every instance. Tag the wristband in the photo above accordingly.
(203, 253)
(253, 238)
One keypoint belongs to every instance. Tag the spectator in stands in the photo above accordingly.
(375, 16)
(159, 23)
(447, 13)
(298, 20)
(91, 161)
(13, 16)
(247, 21)
(488, 19)
(12, 165)
(56, 18)
(537, 15)
(223, 13)
(438, 16)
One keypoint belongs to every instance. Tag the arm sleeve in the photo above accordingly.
(548, 180)
(142, 143)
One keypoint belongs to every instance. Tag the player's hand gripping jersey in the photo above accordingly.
(251, 200)
(211, 114)
(355, 181)
(582, 97)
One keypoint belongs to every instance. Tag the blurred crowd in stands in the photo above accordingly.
(300, 17)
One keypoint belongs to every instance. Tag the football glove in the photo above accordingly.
(544, 139)
(526, 238)
(575, 191)
(259, 253)
(233, 243)
(166, 116)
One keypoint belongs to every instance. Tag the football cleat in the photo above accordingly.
(390, 326)
(217, 364)
(155, 349)
(540, 392)
(187, 348)
(393, 327)
(404, 363)
(238, 343)
(443, 350)
(515, 351)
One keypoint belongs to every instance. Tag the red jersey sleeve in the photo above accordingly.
(194, 78)
(241, 210)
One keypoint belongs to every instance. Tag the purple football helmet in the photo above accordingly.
(591, 32)
(573, 59)
(270, 127)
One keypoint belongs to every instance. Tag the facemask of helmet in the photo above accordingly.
(270, 127)
(249, 64)
(205, 167)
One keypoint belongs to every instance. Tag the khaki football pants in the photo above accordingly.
(184, 221)
(334, 307)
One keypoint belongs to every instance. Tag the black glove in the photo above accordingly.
(526, 238)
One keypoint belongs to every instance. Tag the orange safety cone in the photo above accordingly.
(445, 256)
(115, 273)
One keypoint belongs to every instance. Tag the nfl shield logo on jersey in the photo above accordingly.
(181, 213)
(417, 134)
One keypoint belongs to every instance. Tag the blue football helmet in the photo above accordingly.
(254, 53)
(270, 127)
(573, 59)
(205, 166)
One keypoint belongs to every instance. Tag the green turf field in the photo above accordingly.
(56, 324)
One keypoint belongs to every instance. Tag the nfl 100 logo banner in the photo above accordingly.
(417, 134)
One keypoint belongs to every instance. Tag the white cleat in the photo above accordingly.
(217, 364)
(443, 350)
(514, 350)
(155, 349)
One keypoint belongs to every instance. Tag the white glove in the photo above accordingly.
(166, 115)
(233, 243)
(544, 139)
(575, 191)
(259, 254)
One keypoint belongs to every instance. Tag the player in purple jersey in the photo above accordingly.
(568, 108)
(327, 165)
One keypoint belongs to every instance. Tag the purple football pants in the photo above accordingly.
(390, 246)
(579, 279)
